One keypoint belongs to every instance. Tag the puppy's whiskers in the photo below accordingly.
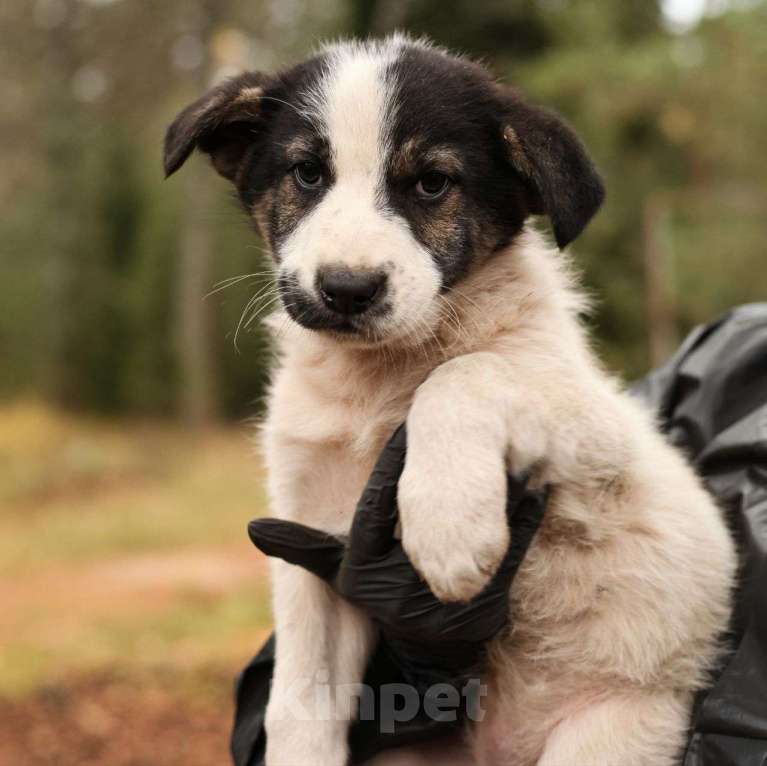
(245, 320)
(224, 284)
(453, 319)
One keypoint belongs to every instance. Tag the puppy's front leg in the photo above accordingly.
(452, 494)
(322, 647)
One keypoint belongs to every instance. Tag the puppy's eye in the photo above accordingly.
(308, 175)
(432, 185)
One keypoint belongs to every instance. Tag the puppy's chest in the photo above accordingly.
(321, 450)
(326, 485)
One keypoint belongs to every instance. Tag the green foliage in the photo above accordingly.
(671, 122)
(92, 239)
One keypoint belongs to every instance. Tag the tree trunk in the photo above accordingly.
(662, 334)
(198, 395)
(198, 399)
(60, 377)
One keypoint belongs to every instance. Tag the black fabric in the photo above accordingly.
(248, 741)
(711, 398)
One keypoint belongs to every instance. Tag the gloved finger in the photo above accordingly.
(516, 489)
(527, 518)
(312, 549)
(372, 532)
(524, 515)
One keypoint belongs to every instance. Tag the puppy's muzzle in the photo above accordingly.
(349, 292)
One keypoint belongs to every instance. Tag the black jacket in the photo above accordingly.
(712, 399)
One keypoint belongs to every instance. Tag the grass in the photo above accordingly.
(123, 546)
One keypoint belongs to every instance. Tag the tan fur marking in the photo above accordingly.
(410, 157)
(260, 212)
(440, 228)
(445, 159)
(298, 147)
(253, 93)
(405, 157)
(517, 152)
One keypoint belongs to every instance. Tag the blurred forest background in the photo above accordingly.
(105, 268)
(129, 591)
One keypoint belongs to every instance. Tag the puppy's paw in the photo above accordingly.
(452, 492)
(454, 528)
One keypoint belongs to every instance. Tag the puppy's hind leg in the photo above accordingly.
(637, 729)
(322, 648)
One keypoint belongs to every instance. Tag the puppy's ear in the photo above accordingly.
(561, 180)
(223, 123)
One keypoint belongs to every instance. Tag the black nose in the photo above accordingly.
(350, 292)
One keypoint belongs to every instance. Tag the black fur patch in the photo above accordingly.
(252, 142)
(562, 181)
(267, 187)
(450, 103)
(516, 160)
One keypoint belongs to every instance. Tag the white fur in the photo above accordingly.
(619, 602)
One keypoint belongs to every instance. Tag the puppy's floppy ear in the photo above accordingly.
(223, 123)
(561, 180)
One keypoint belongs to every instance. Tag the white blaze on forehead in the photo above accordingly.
(353, 104)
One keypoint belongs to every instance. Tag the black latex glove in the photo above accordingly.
(373, 571)
(422, 641)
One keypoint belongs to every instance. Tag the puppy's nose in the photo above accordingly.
(350, 292)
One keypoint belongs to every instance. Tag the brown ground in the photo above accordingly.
(130, 595)
(117, 721)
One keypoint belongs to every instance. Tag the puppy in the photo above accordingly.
(393, 183)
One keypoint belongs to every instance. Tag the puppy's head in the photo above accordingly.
(380, 173)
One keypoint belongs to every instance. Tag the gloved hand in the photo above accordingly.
(422, 642)
(431, 640)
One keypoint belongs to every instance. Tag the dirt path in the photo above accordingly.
(110, 720)
(155, 716)
(130, 596)
(130, 584)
